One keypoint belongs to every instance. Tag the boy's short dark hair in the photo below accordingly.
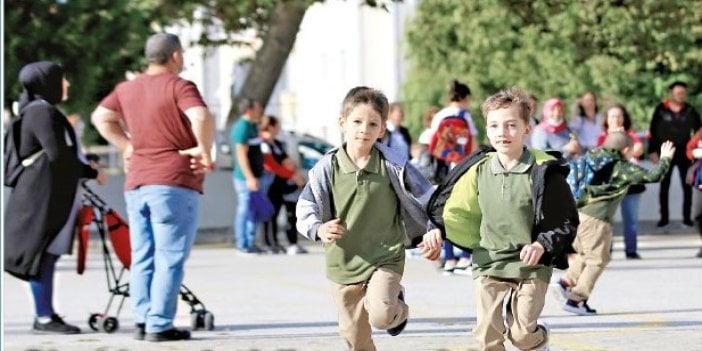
(365, 95)
(677, 83)
(507, 98)
(617, 141)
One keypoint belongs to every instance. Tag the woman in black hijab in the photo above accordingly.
(43, 198)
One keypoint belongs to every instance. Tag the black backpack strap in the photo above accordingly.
(435, 206)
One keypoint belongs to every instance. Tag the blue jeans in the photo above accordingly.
(630, 221)
(163, 222)
(450, 255)
(244, 228)
(42, 286)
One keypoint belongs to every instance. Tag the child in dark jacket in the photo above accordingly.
(597, 203)
(513, 208)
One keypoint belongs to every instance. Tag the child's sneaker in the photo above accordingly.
(580, 308)
(463, 266)
(449, 267)
(395, 331)
(560, 289)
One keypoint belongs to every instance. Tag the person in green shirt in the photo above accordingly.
(597, 203)
(364, 202)
(512, 206)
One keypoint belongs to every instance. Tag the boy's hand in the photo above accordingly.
(667, 149)
(331, 231)
(431, 245)
(531, 254)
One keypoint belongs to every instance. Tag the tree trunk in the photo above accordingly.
(271, 57)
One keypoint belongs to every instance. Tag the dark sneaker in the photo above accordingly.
(580, 308)
(140, 331)
(395, 331)
(168, 335)
(632, 256)
(699, 254)
(56, 326)
(662, 223)
(688, 223)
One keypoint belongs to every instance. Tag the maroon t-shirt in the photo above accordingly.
(152, 107)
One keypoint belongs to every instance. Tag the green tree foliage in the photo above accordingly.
(96, 42)
(625, 51)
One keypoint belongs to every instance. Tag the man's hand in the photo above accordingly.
(298, 179)
(331, 231)
(200, 160)
(431, 245)
(531, 254)
(667, 149)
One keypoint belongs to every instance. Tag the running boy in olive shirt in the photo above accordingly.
(514, 209)
(364, 202)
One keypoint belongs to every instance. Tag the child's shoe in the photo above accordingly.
(449, 267)
(463, 266)
(395, 331)
(580, 308)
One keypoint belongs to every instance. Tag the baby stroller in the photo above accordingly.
(109, 223)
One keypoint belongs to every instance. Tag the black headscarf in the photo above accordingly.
(41, 80)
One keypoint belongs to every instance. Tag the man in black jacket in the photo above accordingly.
(674, 120)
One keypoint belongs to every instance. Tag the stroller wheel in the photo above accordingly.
(94, 320)
(209, 321)
(109, 325)
(196, 320)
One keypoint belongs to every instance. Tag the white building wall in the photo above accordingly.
(341, 44)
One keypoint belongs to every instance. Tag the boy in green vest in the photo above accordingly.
(513, 208)
(364, 202)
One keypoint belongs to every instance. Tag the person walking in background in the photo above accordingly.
(286, 179)
(617, 119)
(694, 152)
(397, 137)
(166, 146)
(427, 117)
(597, 203)
(454, 135)
(37, 226)
(248, 173)
(553, 132)
(516, 242)
(675, 120)
(587, 121)
(361, 201)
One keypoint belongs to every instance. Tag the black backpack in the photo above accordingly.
(12, 162)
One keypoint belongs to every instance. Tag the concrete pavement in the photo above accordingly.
(278, 302)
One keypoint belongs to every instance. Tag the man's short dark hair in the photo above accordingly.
(159, 47)
(677, 83)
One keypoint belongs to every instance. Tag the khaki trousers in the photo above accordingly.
(372, 303)
(525, 301)
(592, 245)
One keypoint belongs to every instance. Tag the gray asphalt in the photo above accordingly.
(279, 302)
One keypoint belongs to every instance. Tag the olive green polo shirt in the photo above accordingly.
(505, 199)
(368, 206)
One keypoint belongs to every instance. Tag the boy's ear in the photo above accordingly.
(341, 121)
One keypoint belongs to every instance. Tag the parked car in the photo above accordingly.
(305, 149)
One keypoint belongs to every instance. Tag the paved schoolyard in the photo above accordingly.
(283, 303)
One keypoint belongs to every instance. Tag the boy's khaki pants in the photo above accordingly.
(592, 244)
(526, 301)
(372, 303)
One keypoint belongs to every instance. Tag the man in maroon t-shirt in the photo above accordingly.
(165, 141)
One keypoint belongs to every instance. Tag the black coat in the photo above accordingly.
(41, 201)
